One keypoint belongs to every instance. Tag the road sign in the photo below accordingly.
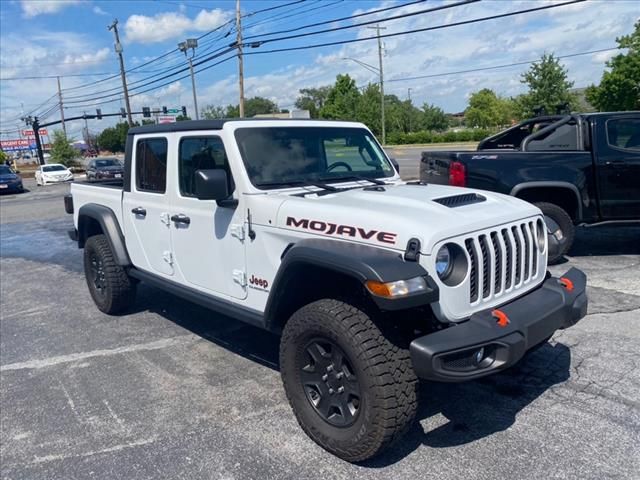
(167, 119)
(174, 110)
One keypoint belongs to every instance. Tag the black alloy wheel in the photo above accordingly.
(329, 382)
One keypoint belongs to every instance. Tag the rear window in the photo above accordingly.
(624, 133)
(151, 165)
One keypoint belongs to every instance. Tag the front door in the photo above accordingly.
(618, 167)
(145, 208)
(208, 240)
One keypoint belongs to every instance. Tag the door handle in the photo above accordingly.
(139, 211)
(180, 218)
(615, 163)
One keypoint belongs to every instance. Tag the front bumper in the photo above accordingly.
(495, 339)
(11, 187)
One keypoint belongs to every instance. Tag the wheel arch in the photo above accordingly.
(313, 269)
(94, 219)
(563, 194)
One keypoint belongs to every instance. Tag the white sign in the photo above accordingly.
(166, 119)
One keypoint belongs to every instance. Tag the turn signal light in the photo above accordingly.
(399, 288)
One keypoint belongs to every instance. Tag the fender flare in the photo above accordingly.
(550, 184)
(360, 262)
(108, 221)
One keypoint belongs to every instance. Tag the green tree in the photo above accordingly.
(211, 112)
(61, 149)
(619, 87)
(114, 138)
(342, 100)
(368, 108)
(488, 110)
(548, 85)
(252, 107)
(434, 118)
(182, 118)
(3, 157)
(313, 99)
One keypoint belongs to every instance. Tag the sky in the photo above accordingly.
(70, 39)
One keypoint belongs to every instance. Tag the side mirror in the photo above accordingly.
(213, 184)
(395, 164)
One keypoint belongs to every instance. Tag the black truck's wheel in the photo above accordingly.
(560, 230)
(111, 288)
(352, 388)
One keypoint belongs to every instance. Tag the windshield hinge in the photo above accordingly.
(167, 256)
(164, 218)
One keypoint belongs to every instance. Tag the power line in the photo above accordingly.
(479, 69)
(407, 32)
(55, 76)
(351, 17)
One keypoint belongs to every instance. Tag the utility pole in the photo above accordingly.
(411, 107)
(85, 130)
(377, 28)
(240, 66)
(118, 48)
(35, 125)
(191, 43)
(64, 129)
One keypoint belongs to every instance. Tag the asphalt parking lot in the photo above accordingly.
(173, 391)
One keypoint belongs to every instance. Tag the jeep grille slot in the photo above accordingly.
(501, 261)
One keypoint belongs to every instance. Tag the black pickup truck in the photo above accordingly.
(580, 169)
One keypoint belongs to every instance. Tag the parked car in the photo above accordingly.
(52, 173)
(578, 169)
(104, 168)
(305, 229)
(10, 181)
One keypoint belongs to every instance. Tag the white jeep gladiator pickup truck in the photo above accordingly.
(305, 228)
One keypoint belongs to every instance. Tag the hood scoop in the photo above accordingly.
(460, 200)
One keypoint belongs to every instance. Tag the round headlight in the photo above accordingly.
(541, 234)
(443, 262)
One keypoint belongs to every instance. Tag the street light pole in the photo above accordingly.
(191, 43)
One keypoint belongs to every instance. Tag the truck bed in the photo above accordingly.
(108, 194)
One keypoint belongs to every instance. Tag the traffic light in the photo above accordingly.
(184, 111)
(123, 113)
(164, 110)
(146, 112)
(98, 114)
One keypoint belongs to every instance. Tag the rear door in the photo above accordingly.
(617, 153)
(208, 240)
(145, 209)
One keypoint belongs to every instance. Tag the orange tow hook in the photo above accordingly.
(501, 318)
(566, 283)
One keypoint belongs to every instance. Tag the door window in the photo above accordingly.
(624, 133)
(151, 165)
(200, 153)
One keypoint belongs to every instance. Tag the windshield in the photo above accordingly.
(53, 168)
(111, 162)
(4, 170)
(277, 156)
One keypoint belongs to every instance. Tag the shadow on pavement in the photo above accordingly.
(471, 410)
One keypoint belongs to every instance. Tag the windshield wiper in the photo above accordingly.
(321, 185)
(356, 177)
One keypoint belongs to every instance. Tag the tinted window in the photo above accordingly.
(199, 153)
(4, 170)
(276, 155)
(151, 165)
(624, 133)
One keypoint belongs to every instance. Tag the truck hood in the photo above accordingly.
(390, 216)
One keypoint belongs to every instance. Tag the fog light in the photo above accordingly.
(479, 356)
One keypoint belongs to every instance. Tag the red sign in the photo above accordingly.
(166, 119)
(29, 133)
(8, 144)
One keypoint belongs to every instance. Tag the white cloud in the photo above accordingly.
(167, 25)
(33, 8)
(98, 11)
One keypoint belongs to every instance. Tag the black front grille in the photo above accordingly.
(473, 270)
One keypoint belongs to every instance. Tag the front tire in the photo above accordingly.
(351, 387)
(109, 285)
(560, 230)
